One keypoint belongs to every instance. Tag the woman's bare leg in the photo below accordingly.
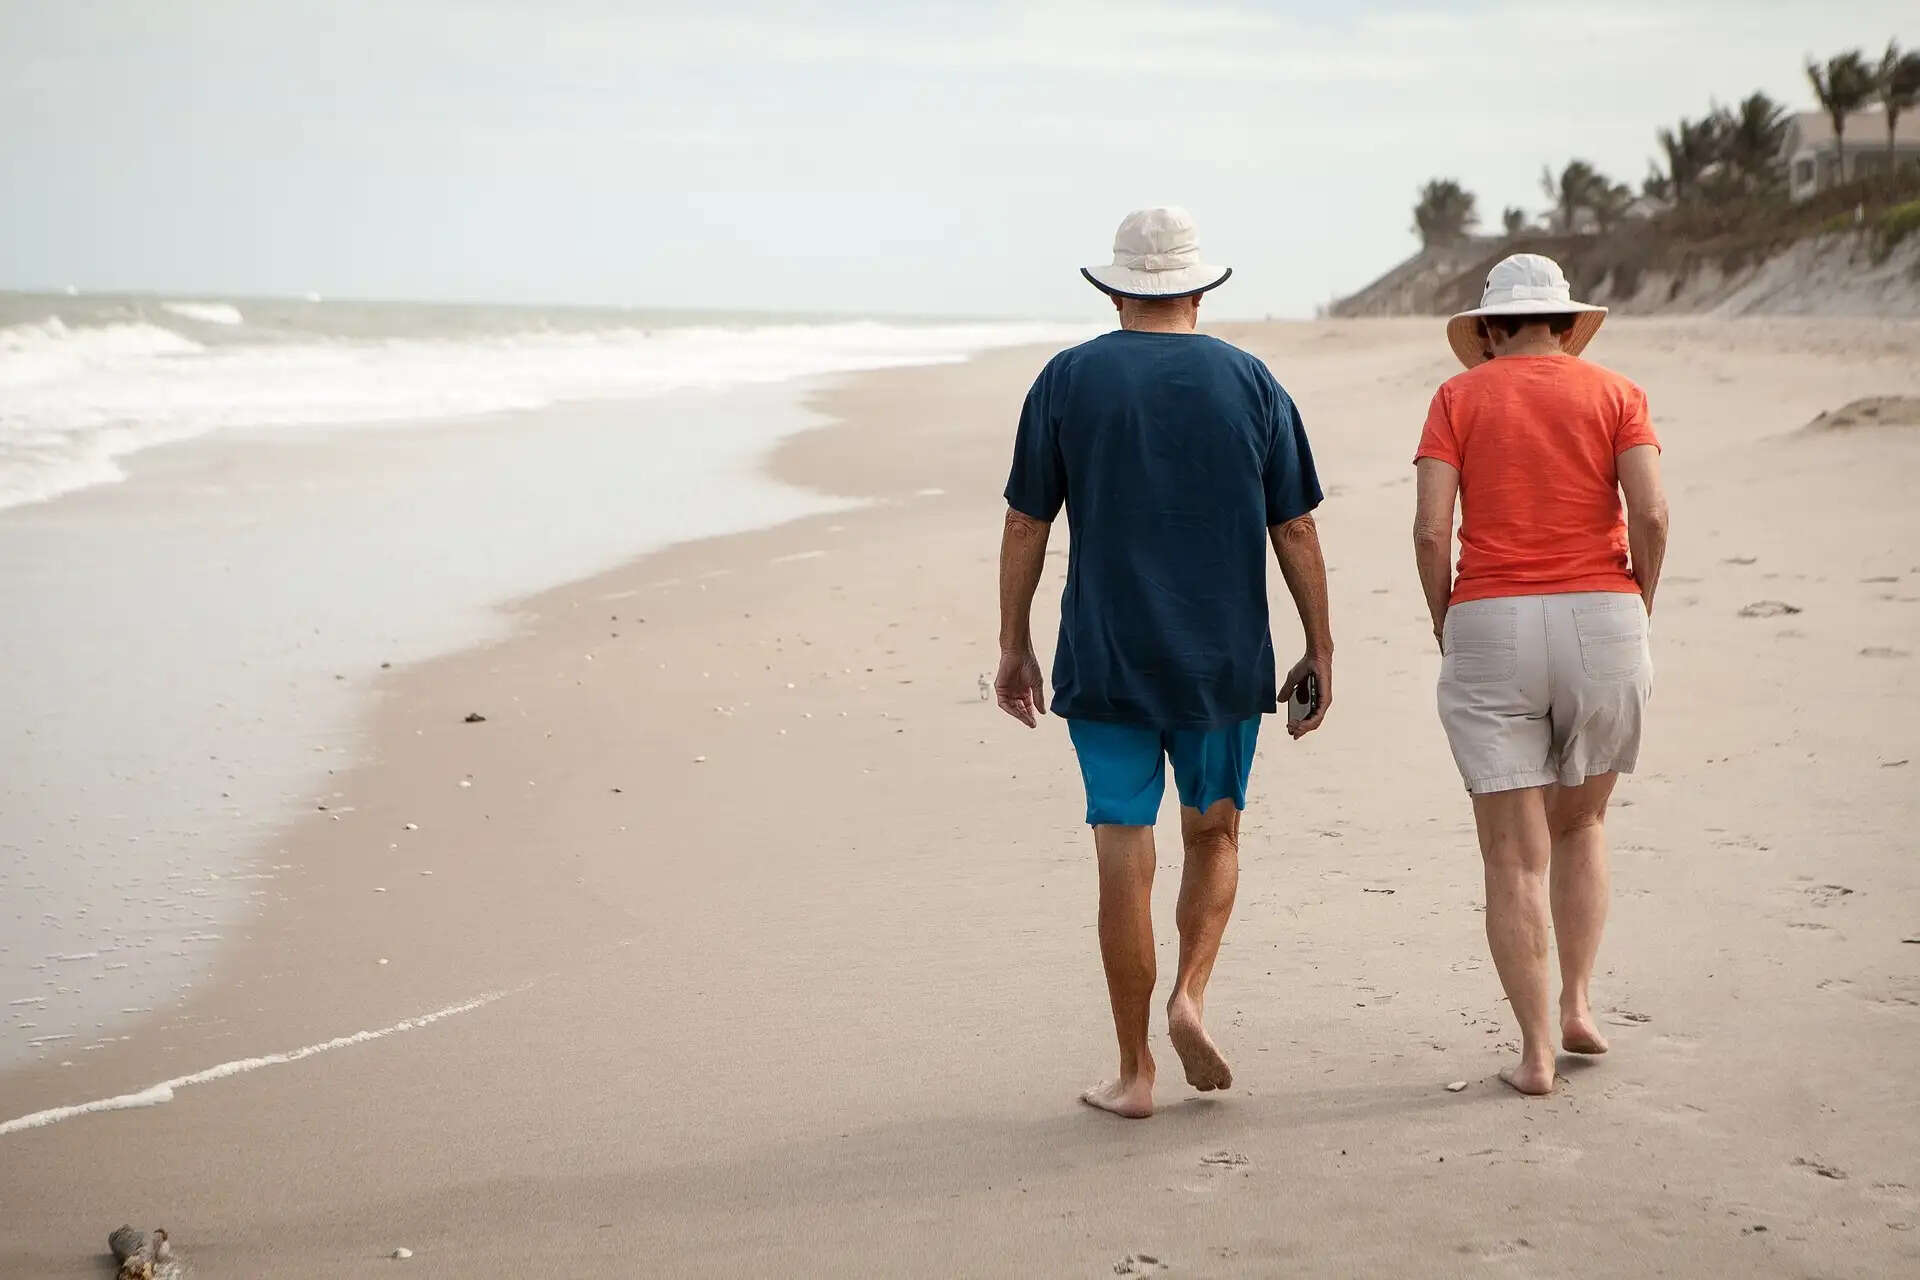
(1515, 848)
(1580, 891)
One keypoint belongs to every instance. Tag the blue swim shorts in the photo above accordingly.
(1125, 768)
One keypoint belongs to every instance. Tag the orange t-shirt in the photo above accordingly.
(1534, 439)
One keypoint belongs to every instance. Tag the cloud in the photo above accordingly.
(285, 145)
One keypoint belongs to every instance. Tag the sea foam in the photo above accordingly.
(207, 312)
(162, 1093)
(78, 399)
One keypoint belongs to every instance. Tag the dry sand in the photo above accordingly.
(791, 933)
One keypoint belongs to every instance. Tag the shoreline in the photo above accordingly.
(182, 719)
(798, 459)
(800, 931)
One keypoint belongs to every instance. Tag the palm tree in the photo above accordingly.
(1693, 148)
(1444, 213)
(1609, 202)
(1579, 186)
(1514, 220)
(1843, 86)
(1755, 132)
(1897, 82)
(1656, 185)
(1679, 175)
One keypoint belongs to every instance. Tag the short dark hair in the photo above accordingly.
(1163, 302)
(1557, 324)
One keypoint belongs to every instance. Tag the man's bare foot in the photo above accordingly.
(1206, 1069)
(1578, 1034)
(1130, 1098)
(1535, 1079)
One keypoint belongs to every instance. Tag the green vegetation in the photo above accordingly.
(1582, 189)
(1897, 85)
(1897, 223)
(1445, 213)
(1720, 182)
(1843, 86)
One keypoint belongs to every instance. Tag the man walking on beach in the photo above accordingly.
(1178, 459)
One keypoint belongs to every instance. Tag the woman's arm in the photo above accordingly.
(1433, 536)
(1639, 469)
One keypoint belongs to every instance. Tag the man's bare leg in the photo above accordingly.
(1208, 881)
(1126, 950)
(1580, 890)
(1515, 847)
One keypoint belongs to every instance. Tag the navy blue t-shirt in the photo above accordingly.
(1173, 453)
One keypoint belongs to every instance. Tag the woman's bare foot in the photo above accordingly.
(1578, 1034)
(1206, 1069)
(1131, 1097)
(1535, 1079)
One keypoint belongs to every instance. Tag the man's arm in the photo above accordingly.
(1023, 555)
(1296, 544)
(1639, 469)
(1439, 485)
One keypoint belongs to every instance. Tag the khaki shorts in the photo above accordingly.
(1536, 690)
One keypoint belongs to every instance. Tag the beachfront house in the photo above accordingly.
(1813, 166)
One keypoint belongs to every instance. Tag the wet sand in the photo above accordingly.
(785, 936)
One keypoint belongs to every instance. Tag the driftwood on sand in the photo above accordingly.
(140, 1256)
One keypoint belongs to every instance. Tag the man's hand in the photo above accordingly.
(1320, 666)
(1019, 689)
(1297, 545)
(1023, 554)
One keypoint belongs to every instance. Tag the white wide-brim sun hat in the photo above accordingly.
(1525, 284)
(1156, 254)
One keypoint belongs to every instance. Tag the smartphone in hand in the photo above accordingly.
(1305, 702)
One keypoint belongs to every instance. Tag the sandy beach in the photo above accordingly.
(761, 944)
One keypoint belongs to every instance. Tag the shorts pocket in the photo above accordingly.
(1613, 639)
(1480, 643)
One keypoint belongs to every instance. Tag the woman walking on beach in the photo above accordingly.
(1545, 669)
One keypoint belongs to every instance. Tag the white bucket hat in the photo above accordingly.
(1525, 284)
(1156, 254)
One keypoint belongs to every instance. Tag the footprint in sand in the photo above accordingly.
(1825, 1170)
(1682, 1044)
(1898, 1192)
(1899, 995)
(1499, 1250)
(1656, 1105)
(1872, 411)
(1548, 1153)
(1883, 651)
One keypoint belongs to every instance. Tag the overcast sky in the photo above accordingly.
(892, 156)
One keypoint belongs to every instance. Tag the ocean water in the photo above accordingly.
(84, 382)
(218, 517)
